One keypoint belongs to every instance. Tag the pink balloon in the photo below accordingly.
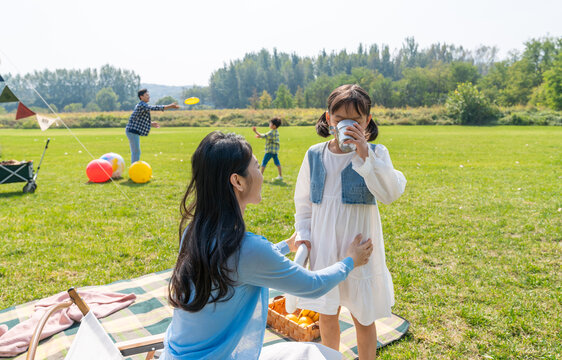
(99, 170)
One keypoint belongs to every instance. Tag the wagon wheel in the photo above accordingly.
(30, 187)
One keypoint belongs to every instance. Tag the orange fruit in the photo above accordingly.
(305, 320)
(292, 317)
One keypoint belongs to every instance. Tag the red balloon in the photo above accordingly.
(99, 170)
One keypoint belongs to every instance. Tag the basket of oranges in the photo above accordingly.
(301, 325)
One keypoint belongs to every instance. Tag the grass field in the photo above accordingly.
(474, 245)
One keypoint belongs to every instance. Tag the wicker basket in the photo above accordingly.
(277, 320)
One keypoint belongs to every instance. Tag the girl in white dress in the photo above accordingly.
(336, 199)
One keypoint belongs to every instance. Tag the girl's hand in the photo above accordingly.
(294, 245)
(300, 242)
(254, 128)
(360, 253)
(358, 133)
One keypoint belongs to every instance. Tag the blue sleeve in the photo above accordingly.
(282, 247)
(262, 264)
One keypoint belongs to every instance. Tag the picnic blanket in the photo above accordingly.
(16, 340)
(150, 314)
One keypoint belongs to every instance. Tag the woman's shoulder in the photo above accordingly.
(256, 250)
(253, 242)
(251, 237)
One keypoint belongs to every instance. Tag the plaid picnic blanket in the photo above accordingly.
(150, 314)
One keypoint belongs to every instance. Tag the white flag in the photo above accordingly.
(44, 122)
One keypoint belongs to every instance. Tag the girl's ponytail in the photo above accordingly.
(372, 130)
(322, 127)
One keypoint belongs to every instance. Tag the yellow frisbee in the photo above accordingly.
(191, 101)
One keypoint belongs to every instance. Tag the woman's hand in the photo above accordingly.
(291, 242)
(358, 133)
(360, 253)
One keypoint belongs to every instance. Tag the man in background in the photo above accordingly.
(140, 122)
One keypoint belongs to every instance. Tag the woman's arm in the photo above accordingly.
(260, 264)
(383, 181)
(288, 245)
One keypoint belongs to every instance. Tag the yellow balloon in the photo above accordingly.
(191, 101)
(140, 172)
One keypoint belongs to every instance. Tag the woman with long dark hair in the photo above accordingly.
(219, 286)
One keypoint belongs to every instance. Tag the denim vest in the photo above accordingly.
(354, 189)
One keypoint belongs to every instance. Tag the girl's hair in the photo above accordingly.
(212, 223)
(346, 95)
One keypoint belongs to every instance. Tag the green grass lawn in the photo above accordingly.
(474, 245)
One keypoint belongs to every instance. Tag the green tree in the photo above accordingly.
(425, 86)
(166, 100)
(254, 100)
(63, 87)
(124, 83)
(364, 77)
(2, 110)
(129, 104)
(464, 72)
(382, 92)
(92, 107)
(74, 107)
(316, 93)
(541, 54)
(553, 84)
(300, 101)
(201, 92)
(283, 98)
(468, 106)
(265, 100)
(493, 84)
(521, 80)
(107, 99)
(538, 96)
(442, 67)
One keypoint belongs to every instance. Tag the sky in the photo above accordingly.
(181, 43)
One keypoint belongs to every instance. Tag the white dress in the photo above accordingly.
(331, 226)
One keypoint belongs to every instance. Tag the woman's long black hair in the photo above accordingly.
(215, 227)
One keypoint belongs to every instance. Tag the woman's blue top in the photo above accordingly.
(234, 329)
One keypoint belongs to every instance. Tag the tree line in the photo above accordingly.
(409, 77)
(106, 89)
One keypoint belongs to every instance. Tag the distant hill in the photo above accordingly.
(159, 91)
